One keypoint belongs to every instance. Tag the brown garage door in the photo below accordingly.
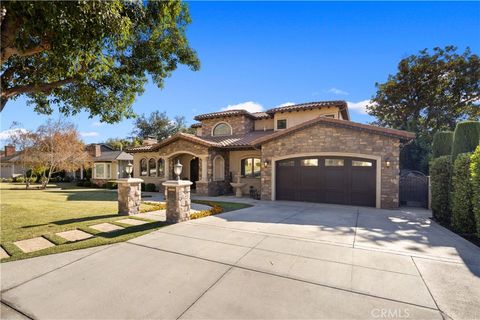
(341, 180)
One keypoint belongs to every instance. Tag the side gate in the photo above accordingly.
(413, 189)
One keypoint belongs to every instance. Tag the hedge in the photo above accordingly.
(440, 179)
(463, 220)
(442, 143)
(475, 176)
(465, 138)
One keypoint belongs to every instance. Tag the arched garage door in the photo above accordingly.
(340, 180)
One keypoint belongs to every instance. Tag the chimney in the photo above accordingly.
(94, 150)
(148, 141)
(9, 150)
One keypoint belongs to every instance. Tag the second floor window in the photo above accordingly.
(282, 124)
(222, 129)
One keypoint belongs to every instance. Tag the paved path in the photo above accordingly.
(274, 260)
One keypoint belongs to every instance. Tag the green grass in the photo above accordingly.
(26, 214)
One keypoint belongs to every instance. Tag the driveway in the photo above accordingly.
(274, 260)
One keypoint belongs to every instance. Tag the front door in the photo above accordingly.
(194, 172)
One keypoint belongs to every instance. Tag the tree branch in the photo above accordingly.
(11, 51)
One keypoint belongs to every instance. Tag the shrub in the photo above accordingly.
(32, 179)
(20, 179)
(465, 138)
(142, 187)
(442, 143)
(111, 185)
(475, 178)
(463, 220)
(150, 187)
(87, 184)
(440, 179)
(216, 209)
(80, 183)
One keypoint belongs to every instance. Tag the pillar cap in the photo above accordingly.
(177, 183)
(129, 180)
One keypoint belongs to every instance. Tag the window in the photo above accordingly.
(152, 167)
(309, 162)
(218, 168)
(282, 124)
(102, 171)
(143, 167)
(222, 129)
(333, 162)
(356, 163)
(329, 116)
(160, 168)
(286, 163)
(250, 167)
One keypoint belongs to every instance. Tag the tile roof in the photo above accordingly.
(196, 125)
(226, 113)
(238, 141)
(400, 134)
(314, 105)
(113, 155)
(261, 115)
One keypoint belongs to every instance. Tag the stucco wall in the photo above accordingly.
(264, 124)
(296, 117)
(235, 163)
(322, 138)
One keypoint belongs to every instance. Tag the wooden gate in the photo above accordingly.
(413, 189)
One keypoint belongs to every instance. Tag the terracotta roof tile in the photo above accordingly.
(226, 113)
(314, 105)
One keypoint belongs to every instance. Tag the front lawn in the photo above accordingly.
(27, 214)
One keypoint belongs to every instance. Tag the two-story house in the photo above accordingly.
(304, 152)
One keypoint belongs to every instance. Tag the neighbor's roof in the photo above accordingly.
(113, 155)
(400, 134)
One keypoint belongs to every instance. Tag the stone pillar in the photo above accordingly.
(204, 170)
(129, 196)
(177, 197)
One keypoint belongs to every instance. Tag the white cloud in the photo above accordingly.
(250, 106)
(359, 107)
(97, 124)
(285, 104)
(338, 91)
(7, 134)
(89, 134)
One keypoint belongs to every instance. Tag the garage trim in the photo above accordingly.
(378, 177)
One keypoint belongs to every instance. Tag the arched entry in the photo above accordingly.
(194, 167)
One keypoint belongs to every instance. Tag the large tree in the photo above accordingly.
(159, 125)
(90, 55)
(431, 91)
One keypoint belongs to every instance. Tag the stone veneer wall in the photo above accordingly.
(326, 138)
(239, 124)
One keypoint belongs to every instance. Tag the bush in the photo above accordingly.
(20, 179)
(463, 220)
(442, 144)
(465, 138)
(111, 185)
(440, 179)
(150, 187)
(142, 186)
(87, 184)
(216, 209)
(475, 178)
(32, 179)
(80, 183)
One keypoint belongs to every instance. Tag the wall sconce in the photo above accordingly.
(266, 163)
(388, 164)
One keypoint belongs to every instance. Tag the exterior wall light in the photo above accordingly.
(388, 163)
(178, 169)
(266, 163)
(129, 169)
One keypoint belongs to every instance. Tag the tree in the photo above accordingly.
(122, 144)
(429, 93)
(24, 141)
(90, 56)
(58, 147)
(158, 125)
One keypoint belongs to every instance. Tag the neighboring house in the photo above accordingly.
(108, 164)
(10, 166)
(304, 152)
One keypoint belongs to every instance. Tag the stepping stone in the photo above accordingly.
(106, 227)
(132, 222)
(74, 235)
(3, 253)
(33, 244)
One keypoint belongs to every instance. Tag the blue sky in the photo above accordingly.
(263, 54)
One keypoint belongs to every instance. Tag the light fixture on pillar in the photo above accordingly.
(178, 169)
(129, 169)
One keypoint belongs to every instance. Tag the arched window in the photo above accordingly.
(160, 168)
(222, 129)
(143, 167)
(152, 167)
(218, 168)
(250, 167)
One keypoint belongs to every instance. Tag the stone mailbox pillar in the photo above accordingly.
(177, 197)
(129, 196)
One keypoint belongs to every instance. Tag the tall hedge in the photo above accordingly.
(465, 138)
(475, 176)
(440, 179)
(463, 220)
(442, 143)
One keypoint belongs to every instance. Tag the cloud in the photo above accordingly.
(338, 91)
(89, 134)
(7, 134)
(285, 104)
(359, 107)
(97, 124)
(250, 106)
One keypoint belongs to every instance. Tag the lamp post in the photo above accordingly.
(129, 169)
(178, 169)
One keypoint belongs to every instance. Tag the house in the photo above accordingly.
(304, 152)
(108, 164)
(10, 166)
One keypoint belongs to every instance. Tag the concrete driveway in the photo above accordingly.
(274, 260)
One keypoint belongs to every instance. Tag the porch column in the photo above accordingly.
(204, 169)
(166, 162)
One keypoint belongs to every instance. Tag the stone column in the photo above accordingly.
(177, 197)
(129, 196)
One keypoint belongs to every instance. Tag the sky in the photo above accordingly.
(258, 55)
